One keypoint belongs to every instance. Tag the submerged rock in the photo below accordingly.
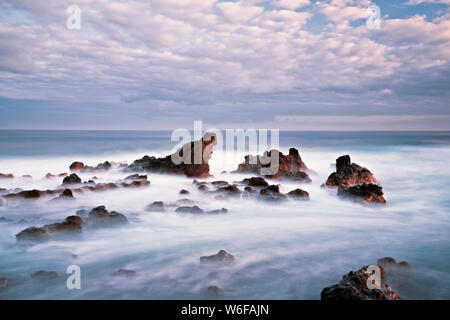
(136, 176)
(185, 158)
(6, 176)
(157, 206)
(100, 217)
(187, 209)
(389, 264)
(221, 258)
(214, 291)
(184, 191)
(290, 166)
(367, 193)
(50, 176)
(125, 273)
(44, 275)
(67, 193)
(80, 166)
(353, 286)
(256, 182)
(272, 193)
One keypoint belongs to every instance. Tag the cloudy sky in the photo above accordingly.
(287, 64)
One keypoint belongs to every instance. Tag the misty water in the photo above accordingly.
(286, 250)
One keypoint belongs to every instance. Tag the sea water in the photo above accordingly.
(287, 250)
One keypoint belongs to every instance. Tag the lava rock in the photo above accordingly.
(214, 291)
(157, 206)
(100, 217)
(349, 174)
(44, 275)
(256, 182)
(298, 194)
(72, 179)
(125, 273)
(184, 191)
(367, 193)
(187, 209)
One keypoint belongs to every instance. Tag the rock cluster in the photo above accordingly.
(220, 258)
(78, 166)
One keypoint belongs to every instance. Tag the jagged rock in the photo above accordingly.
(298, 194)
(353, 286)
(184, 191)
(100, 217)
(125, 273)
(72, 179)
(349, 174)
(367, 193)
(221, 258)
(187, 209)
(44, 275)
(157, 206)
(6, 176)
(214, 291)
(256, 182)
(187, 163)
(289, 165)
(72, 225)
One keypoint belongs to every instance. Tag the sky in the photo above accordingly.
(283, 64)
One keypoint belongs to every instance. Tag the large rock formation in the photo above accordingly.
(355, 182)
(353, 286)
(191, 159)
(221, 258)
(290, 166)
(349, 174)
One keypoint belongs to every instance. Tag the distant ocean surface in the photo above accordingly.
(289, 250)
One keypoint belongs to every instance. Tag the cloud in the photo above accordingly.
(291, 4)
(416, 2)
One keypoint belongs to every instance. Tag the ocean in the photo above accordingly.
(287, 250)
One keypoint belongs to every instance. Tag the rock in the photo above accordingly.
(183, 202)
(100, 217)
(186, 209)
(353, 286)
(256, 182)
(72, 225)
(214, 291)
(27, 176)
(219, 183)
(82, 213)
(221, 258)
(203, 187)
(249, 189)
(31, 194)
(157, 206)
(349, 174)
(72, 179)
(44, 275)
(272, 193)
(187, 164)
(184, 191)
(6, 176)
(289, 165)
(298, 194)
(367, 193)
(230, 190)
(67, 193)
(125, 273)
(50, 176)
(218, 211)
(76, 166)
(389, 264)
(136, 177)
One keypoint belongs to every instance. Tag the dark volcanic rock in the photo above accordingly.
(219, 183)
(76, 166)
(223, 210)
(184, 191)
(136, 176)
(186, 209)
(349, 174)
(100, 217)
(367, 193)
(44, 275)
(298, 194)
(72, 179)
(353, 286)
(272, 193)
(50, 176)
(289, 165)
(221, 258)
(80, 166)
(72, 225)
(230, 190)
(6, 176)
(186, 162)
(256, 182)
(67, 193)
(157, 206)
